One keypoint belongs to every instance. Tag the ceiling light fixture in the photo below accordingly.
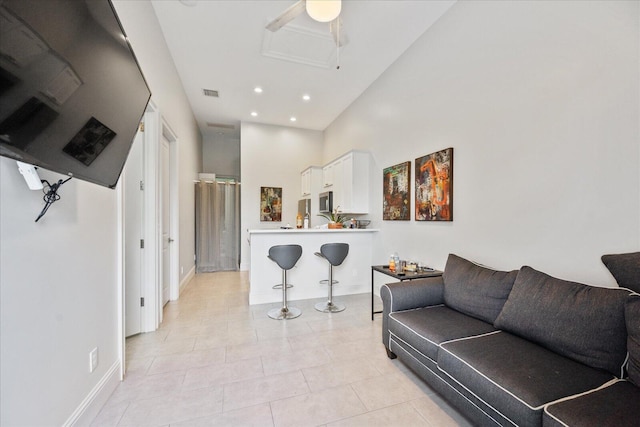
(306, 97)
(257, 89)
(254, 114)
(324, 10)
(293, 119)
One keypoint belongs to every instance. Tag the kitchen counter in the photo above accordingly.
(353, 274)
(312, 230)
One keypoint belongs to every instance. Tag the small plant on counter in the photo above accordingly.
(334, 217)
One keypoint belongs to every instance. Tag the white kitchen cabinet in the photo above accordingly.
(311, 179)
(351, 187)
(327, 177)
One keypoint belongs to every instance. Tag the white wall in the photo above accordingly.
(221, 155)
(540, 101)
(139, 21)
(273, 156)
(58, 296)
(58, 278)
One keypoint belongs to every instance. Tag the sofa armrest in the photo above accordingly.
(409, 295)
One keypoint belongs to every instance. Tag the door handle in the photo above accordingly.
(170, 240)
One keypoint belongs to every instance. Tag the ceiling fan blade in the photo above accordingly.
(339, 36)
(287, 16)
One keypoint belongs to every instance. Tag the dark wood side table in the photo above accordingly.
(407, 275)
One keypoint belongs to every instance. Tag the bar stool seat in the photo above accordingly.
(286, 256)
(335, 254)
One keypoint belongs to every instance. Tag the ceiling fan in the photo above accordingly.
(319, 10)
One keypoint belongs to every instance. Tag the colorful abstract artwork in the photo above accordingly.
(396, 204)
(271, 204)
(434, 186)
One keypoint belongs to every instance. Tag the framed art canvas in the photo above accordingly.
(434, 186)
(396, 200)
(271, 204)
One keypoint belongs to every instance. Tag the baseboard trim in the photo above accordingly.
(185, 281)
(95, 400)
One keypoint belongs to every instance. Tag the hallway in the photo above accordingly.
(216, 361)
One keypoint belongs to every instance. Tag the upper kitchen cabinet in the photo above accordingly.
(327, 177)
(311, 181)
(350, 179)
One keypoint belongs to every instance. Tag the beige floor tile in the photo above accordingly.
(163, 348)
(293, 361)
(137, 367)
(439, 413)
(221, 340)
(110, 414)
(147, 386)
(316, 339)
(275, 347)
(241, 368)
(398, 415)
(173, 407)
(316, 408)
(386, 390)
(283, 329)
(185, 361)
(247, 393)
(339, 373)
(356, 349)
(255, 416)
(222, 373)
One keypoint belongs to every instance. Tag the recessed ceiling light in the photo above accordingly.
(257, 89)
(293, 119)
(254, 114)
(306, 97)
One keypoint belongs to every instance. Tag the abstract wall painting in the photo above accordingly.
(396, 198)
(271, 204)
(434, 186)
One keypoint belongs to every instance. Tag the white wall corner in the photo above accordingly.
(95, 400)
(187, 278)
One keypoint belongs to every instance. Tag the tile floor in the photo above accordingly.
(216, 361)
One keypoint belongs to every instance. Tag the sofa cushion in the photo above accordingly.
(585, 323)
(476, 290)
(425, 328)
(615, 405)
(515, 376)
(625, 268)
(632, 317)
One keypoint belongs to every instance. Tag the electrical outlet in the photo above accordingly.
(93, 359)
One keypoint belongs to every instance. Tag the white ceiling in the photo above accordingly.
(219, 45)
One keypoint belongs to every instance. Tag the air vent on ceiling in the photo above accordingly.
(210, 92)
(220, 126)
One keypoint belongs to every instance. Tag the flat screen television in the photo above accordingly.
(71, 90)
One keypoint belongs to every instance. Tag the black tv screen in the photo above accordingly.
(71, 91)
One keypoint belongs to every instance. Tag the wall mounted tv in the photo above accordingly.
(71, 91)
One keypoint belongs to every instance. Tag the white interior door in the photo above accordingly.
(166, 218)
(133, 229)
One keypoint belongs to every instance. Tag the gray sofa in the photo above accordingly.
(519, 347)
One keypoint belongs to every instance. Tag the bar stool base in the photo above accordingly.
(284, 313)
(329, 307)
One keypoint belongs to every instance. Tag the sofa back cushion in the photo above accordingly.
(584, 323)
(632, 317)
(625, 268)
(476, 290)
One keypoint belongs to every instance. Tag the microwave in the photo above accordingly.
(326, 202)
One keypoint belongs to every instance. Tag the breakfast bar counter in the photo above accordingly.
(353, 274)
